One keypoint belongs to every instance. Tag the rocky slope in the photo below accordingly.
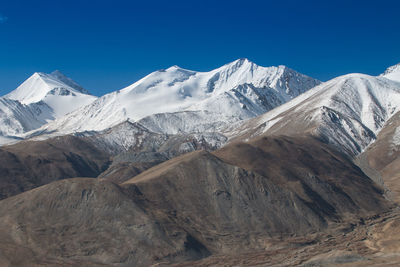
(135, 148)
(86, 222)
(17, 118)
(347, 112)
(27, 165)
(115, 154)
(384, 156)
(238, 199)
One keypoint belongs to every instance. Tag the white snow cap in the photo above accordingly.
(61, 93)
(392, 73)
(241, 89)
(36, 87)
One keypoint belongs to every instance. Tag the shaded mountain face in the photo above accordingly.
(384, 156)
(27, 165)
(129, 136)
(233, 92)
(87, 222)
(116, 154)
(135, 148)
(268, 187)
(17, 118)
(304, 163)
(238, 199)
(347, 112)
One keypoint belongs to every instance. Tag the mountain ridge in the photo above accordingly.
(392, 73)
(347, 111)
(241, 88)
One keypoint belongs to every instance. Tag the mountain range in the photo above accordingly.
(240, 166)
(233, 92)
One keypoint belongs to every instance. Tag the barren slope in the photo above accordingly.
(84, 222)
(27, 165)
(384, 156)
(242, 199)
(270, 187)
(347, 112)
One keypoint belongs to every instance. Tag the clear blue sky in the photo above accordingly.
(107, 45)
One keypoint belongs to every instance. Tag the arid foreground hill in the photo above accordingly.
(243, 198)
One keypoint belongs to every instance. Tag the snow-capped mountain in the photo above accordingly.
(392, 73)
(238, 90)
(347, 112)
(59, 92)
(17, 118)
(38, 100)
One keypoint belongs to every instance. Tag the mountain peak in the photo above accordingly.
(392, 73)
(174, 67)
(37, 75)
(61, 76)
(68, 81)
(392, 69)
(57, 73)
(240, 62)
(37, 86)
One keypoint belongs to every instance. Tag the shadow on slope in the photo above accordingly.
(27, 164)
(234, 200)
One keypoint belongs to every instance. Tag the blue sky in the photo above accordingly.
(107, 45)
